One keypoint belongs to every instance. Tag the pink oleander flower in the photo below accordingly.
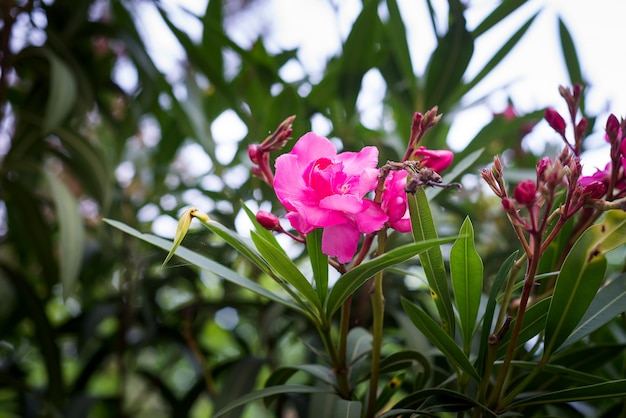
(437, 160)
(394, 201)
(323, 189)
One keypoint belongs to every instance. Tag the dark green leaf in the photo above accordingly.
(611, 389)
(498, 15)
(439, 338)
(608, 303)
(62, 93)
(534, 323)
(569, 54)
(434, 399)
(449, 60)
(71, 233)
(269, 391)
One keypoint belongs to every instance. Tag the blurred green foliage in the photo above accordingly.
(90, 324)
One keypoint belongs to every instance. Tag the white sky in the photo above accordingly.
(530, 76)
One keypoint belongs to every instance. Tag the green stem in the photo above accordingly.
(378, 312)
(338, 364)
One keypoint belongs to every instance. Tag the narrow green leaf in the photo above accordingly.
(268, 235)
(269, 391)
(500, 54)
(432, 399)
(353, 279)
(450, 58)
(282, 374)
(501, 277)
(608, 303)
(569, 54)
(610, 389)
(423, 227)
(580, 277)
(208, 264)
(466, 271)
(240, 380)
(71, 232)
(347, 409)
(402, 360)
(498, 15)
(282, 265)
(319, 262)
(62, 94)
(439, 338)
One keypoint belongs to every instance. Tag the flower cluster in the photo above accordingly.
(321, 188)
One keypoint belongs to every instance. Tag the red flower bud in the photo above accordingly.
(507, 205)
(268, 220)
(542, 166)
(253, 153)
(612, 128)
(581, 128)
(555, 120)
(525, 193)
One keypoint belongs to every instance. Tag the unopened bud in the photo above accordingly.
(253, 153)
(555, 120)
(508, 205)
(581, 128)
(268, 221)
(525, 193)
(542, 166)
(594, 190)
(612, 129)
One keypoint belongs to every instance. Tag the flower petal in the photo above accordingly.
(311, 147)
(372, 219)
(347, 203)
(340, 241)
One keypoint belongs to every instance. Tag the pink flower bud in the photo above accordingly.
(253, 153)
(555, 120)
(525, 193)
(581, 128)
(542, 166)
(507, 205)
(268, 220)
(612, 128)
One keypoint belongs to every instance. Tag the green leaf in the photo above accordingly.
(62, 94)
(282, 265)
(580, 277)
(498, 15)
(500, 54)
(269, 391)
(71, 232)
(610, 389)
(347, 409)
(208, 264)
(282, 374)
(319, 262)
(437, 400)
(268, 235)
(423, 227)
(501, 277)
(569, 54)
(240, 380)
(534, 323)
(439, 338)
(450, 59)
(353, 279)
(402, 360)
(608, 303)
(466, 271)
